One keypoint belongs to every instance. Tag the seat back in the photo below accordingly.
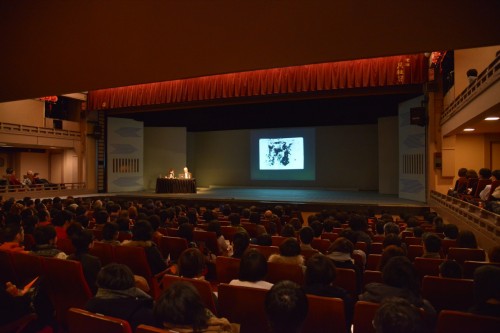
(203, 287)
(463, 322)
(27, 267)
(245, 306)
(65, 245)
(67, 286)
(364, 312)
(346, 278)
(325, 315)
(308, 253)
(446, 244)
(320, 244)
(481, 184)
(251, 228)
(278, 271)
(470, 267)
(376, 248)
(227, 269)
(361, 246)
(464, 254)
(82, 321)
(151, 329)
(8, 273)
(277, 240)
(372, 261)
(371, 277)
(208, 240)
(228, 232)
(104, 251)
(330, 236)
(413, 241)
(172, 246)
(415, 251)
(266, 250)
(427, 266)
(449, 294)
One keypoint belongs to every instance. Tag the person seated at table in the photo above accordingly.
(171, 174)
(186, 174)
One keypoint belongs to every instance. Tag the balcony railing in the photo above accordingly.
(489, 76)
(38, 131)
(41, 188)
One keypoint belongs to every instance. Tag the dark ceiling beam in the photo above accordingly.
(59, 47)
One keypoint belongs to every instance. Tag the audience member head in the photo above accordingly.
(486, 285)
(320, 270)
(288, 231)
(450, 269)
(431, 242)
(214, 226)
(328, 224)
(342, 245)
(397, 315)
(358, 222)
(286, 307)
(494, 254)
(290, 248)
(471, 173)
(389, 252)
(235, 219)
(181, 305)
(110, 231)
(411, 222)
(82, 241)
(418, 232)
(450, 231)
(306, 235)
(495, 174)
(485, 173)
(317, 227)
(192, 263)
(466, 239)
(45, 235)
(392, 239)
(115, 277)
(264, 239)
(349, 234)
(379, 227)
(253, 266)
(399, 272)
(101, 216)
(462, 172)
(241, 241)
(186, 231)
(391, 228)
(142, 231)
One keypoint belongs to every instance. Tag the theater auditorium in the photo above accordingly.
(228, 157)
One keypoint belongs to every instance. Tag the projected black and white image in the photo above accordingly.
(281, 153)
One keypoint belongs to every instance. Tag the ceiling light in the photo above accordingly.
(469, 129)
(491, 118)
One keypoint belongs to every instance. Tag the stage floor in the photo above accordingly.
(316, 199)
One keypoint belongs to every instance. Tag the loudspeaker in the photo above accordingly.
(417, 116)
(58, 124)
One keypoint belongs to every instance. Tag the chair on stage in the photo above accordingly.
(427, 266)
(266, 251)
(67, 286)
(470, 267)
(364, 312)
(449, 294)
(82, 321)
(204, 289)
(464, 254)
(104, 251)
(172, 246)
(135, 258)
(325, 315)
(227, 269)
(27, 267)
(278, 271)
(450, 321)
(245, 306)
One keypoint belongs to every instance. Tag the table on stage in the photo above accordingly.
(167, 185)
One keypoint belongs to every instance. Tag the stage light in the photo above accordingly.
(491, 118)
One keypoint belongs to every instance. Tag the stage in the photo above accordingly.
(306, 199)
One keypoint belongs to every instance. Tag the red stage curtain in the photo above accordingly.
(364, 73)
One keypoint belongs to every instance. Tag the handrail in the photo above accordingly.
(489, 76)
(42, 187)
(38, 131)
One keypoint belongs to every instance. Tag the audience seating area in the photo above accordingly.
(69, 291)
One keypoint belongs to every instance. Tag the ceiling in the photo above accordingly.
(59, 47)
